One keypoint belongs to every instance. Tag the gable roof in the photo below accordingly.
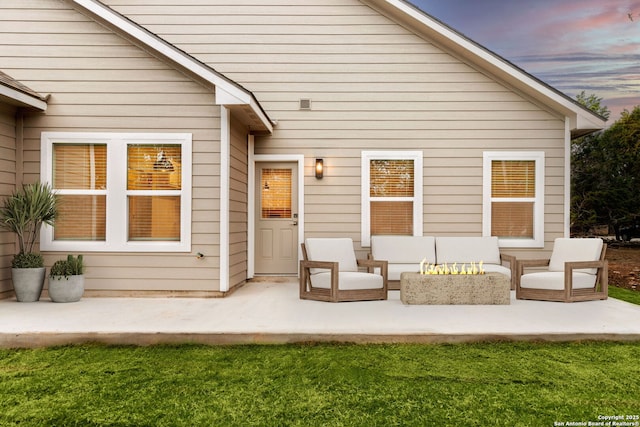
(15, 93)
(239, 100)
(582, 120)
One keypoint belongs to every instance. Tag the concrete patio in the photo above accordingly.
(269, 312)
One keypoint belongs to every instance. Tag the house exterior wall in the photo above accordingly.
(100, 82)
(7, 186)
(373, 85)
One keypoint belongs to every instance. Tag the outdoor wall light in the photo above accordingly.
(319, 168)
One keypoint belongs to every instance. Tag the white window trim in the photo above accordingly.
(367, 156)
(538, 200)
(116, 210)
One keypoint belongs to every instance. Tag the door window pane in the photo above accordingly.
(275, 193)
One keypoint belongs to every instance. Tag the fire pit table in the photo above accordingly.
(443, 289)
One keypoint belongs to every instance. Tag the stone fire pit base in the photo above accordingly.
(489, 288)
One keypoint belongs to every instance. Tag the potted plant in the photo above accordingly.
(24, 213)
(66, 279)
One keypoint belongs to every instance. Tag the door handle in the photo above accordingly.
(294, 223)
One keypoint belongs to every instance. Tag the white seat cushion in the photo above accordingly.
(348, 280)
(332, 250)
(467, 249)
(554, 280)
(404, 249)
(567, 250)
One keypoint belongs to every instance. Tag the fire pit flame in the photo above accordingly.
(472, 268)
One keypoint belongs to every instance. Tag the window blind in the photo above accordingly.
(389, 180)
(513, 194)
(275, 193)
(153, 182)
(513, 178)
(80, 168)
(392, 218)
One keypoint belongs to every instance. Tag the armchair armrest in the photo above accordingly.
(307, 265)
(602, 275)
(319, 264)
(305, 273)
(371, 263)
(524, 263)
(576, 265)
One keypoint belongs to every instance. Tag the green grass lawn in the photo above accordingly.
(624, 294)
(489, 384)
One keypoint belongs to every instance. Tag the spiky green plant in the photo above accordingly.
(26, 210)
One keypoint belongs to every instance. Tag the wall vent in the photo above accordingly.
(305, 104)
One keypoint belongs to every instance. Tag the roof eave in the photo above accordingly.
(18, 98)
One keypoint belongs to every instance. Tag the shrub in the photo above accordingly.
(72, 266)
(27, 260)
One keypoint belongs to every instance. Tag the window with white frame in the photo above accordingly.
(513, 198)
(125, 192)
(391, 194)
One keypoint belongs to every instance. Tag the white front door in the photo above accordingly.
(276, 250)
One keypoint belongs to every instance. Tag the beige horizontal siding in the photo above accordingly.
(100, 82)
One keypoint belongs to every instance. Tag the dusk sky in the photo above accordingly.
(573, 45)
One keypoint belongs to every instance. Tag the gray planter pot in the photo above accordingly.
(28, 283)
(66, 289)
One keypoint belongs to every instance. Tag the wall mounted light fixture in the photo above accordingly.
(319, 168)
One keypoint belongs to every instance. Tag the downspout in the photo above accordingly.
(567, 177)
(225, 171)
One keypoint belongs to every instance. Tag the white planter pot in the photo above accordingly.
(66, 289)
(28, 283)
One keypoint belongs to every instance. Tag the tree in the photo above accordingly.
(583, 165)
(593, 103)
(606, 175)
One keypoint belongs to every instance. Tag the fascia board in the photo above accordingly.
(233, 92)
